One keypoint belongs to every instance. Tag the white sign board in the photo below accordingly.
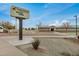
(19, 12)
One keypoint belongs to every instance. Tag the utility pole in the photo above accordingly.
(76, 23)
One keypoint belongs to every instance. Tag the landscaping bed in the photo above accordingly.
(51, 47)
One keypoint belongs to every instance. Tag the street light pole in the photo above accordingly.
(76, 23)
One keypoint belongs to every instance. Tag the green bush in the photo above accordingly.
(36, 44)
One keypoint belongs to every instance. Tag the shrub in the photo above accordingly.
(36, 44)
(78, 37)
(65, 54)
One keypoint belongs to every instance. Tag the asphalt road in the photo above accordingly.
(36, 34)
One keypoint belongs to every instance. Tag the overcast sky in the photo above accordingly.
(47, 13)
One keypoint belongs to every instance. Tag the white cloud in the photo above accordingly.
(65, 21)
(58, 23)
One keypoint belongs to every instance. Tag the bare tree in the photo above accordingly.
(66, 25)
(7, 25)
(38, 25)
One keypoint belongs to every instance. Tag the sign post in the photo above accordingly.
(20, 14)
(20, 29)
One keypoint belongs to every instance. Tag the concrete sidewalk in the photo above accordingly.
(8, 43)
(7, 49)
(14, 40)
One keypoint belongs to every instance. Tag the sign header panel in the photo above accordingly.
(19, 12)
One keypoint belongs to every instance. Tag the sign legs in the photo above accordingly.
(20, 29)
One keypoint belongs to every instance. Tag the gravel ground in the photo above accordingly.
(52, 47)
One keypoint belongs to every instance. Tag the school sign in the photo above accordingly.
(19, 12)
